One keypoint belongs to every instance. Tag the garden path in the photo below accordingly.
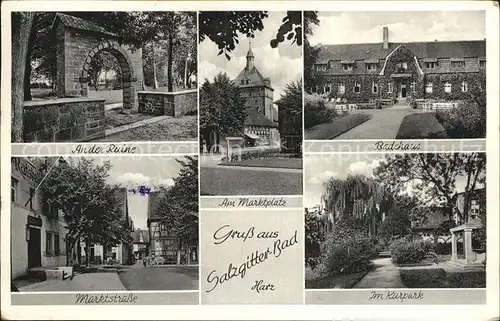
(385, 276)
(384, 123)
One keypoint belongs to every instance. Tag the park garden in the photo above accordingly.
(418, 222)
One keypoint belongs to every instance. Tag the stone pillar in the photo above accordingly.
(454, 246)
(469, 254)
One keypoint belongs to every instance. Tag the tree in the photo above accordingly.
(310, 53)
(91, 208)
(434, 177)
(224, 28)
(222, 109)
(21, 25)
(357, 196)
(178, 206)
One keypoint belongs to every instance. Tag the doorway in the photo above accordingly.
(402, 91)
(34, 248)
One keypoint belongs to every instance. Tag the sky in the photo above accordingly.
(132, 171)
(366, 27)
(319, 168)
(282, 64)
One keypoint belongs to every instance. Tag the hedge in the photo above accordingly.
(407, 252)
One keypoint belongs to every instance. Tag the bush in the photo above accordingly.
(407, 252)
(348, 252)
(316, 111)
(466, 121)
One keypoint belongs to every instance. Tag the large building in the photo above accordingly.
(437, 70)
(258, 94)
(163, 243)
(37, 229)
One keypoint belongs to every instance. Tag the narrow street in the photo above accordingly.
(160, 278)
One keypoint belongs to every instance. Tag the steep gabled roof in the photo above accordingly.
(254, 78)
(430, 49)
(254, 118)
(137, 236)
(80, 24)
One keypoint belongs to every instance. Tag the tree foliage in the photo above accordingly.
(224, 28)
(92, 209)
(222, 109)
(310, 53)
(177, 206)
(433, 177)
(315, 235)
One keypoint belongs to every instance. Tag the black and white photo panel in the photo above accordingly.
(250, 102)
(104, 76)
(395, 75)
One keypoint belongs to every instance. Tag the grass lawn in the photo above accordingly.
(233, 181)
(115, 117)
(337, 281)
(438, 278)
(111, 96)
(336, 126)
(421, 125)
(172, 129)
(295, 163)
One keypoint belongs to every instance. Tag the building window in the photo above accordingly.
(447, 87)
(413, 87)
(13, 189)
(464, 87)
(431, 65)
(428, 88)
(347, 67)
(357, 87)
(328, 87)
(315, 89)
(389, 87)
(371, 66)
(458, 64)
(375, 88)
(341, 88)
(48, 243)
(32, 195)
(57, 249)
(474, 209)
(402, 67)
(482, 63)
(321, 67)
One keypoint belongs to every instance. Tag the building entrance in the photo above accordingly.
(34, 248)
(402, 91)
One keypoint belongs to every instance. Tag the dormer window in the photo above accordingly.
(457, 63)
(431, 64)
(347, 67)
(321, 67)
(371, 66)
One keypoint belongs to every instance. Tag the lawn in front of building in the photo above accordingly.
(294, 163)
(184, 128)
(439, 278)
(420, 126)
(235, 181)
(336, 126)
(315, 280)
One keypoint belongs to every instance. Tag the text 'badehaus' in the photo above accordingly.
(403, 72)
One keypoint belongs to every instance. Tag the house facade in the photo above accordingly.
(397, 72)
(257, 91)
(37, 229)
(163, 243)
(140, 243)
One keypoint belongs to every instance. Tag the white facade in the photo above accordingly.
(37, 236)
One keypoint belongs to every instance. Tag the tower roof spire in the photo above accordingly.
(250, 52)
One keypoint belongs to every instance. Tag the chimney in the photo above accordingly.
(386, 38)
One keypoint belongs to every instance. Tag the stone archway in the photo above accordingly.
(77, 43)
(127, 72)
